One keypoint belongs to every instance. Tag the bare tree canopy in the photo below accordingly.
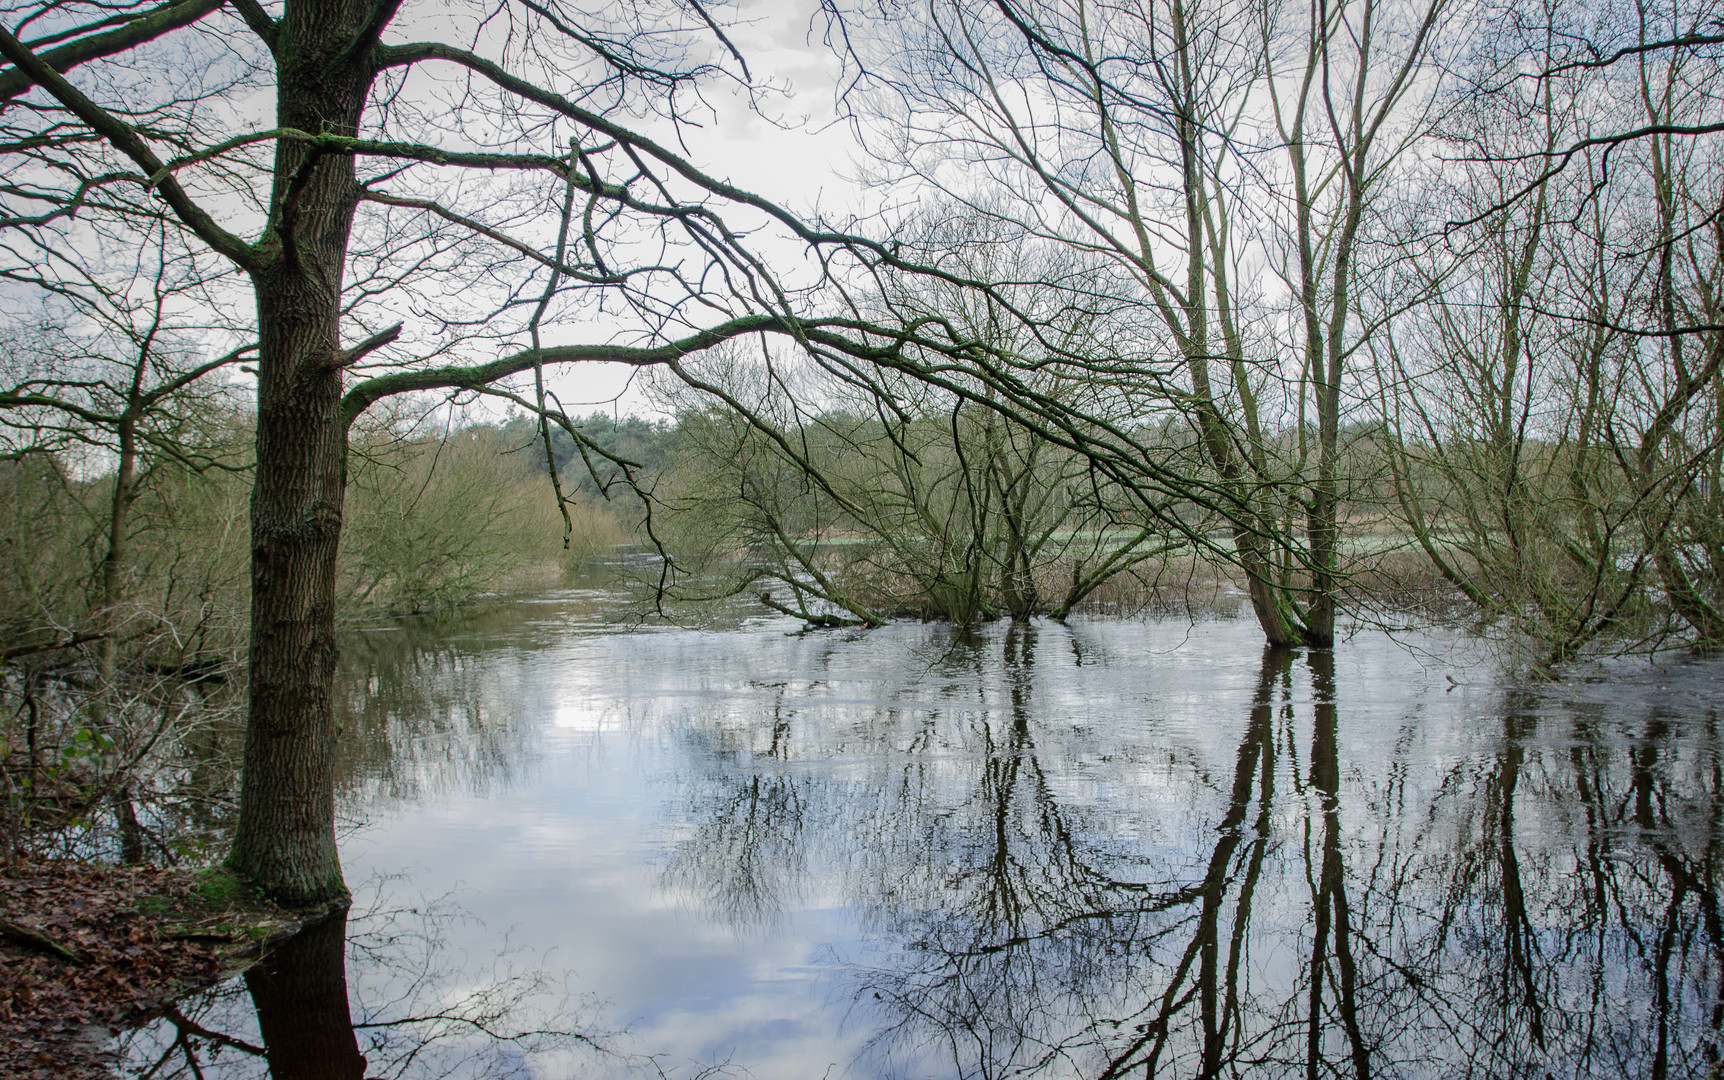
(404, 190)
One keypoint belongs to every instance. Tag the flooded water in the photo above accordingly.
(1115, 848)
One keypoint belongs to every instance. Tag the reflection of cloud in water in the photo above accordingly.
(375, 992)
(1069, 852)
(587, 716)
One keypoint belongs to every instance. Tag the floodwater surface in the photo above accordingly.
(1119, 847)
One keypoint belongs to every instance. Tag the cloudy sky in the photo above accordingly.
(788, 149)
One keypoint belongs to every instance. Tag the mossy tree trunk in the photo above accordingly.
(285, 840)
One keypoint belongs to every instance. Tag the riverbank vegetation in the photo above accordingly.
(123, 644)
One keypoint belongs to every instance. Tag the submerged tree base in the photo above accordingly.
(86, 949)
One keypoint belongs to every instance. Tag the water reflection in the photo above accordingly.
(300, 992)
(745, 861)
(1106, 850)
(1041, 949)
(1320, 917)
(421, 1012)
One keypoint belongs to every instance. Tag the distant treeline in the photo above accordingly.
(653, 444)
(125, 584)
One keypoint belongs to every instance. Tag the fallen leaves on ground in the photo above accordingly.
(140, 936)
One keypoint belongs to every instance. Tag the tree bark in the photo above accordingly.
(285, 841)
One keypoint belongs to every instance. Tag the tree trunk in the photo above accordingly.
(1269, 601)
(114, 561)
(285, 842)
(107, 620)
(1323, 525)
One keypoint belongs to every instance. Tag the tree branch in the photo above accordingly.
(1683, 42)
(145, 28)
(258, 19)
(716, 29)
(1565, 157)
(126, 139)
(367, 393)
(349, 357)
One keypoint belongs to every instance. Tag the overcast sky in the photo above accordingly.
(798, 158)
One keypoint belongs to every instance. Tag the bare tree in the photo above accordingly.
(1138, 137)
(508, 211)
(1355, 97)
(1554, 402)
(904, 497)
(119, 384)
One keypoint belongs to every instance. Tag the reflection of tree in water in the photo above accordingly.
(746, 861)
(1019, 917)
(417, 1011)
(1542, 901)
(1091, 967)
(1600, 952)
(1451, 937)
(424, 715)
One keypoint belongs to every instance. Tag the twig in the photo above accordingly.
(32, 938)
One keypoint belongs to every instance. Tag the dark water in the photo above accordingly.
(1115, 848)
